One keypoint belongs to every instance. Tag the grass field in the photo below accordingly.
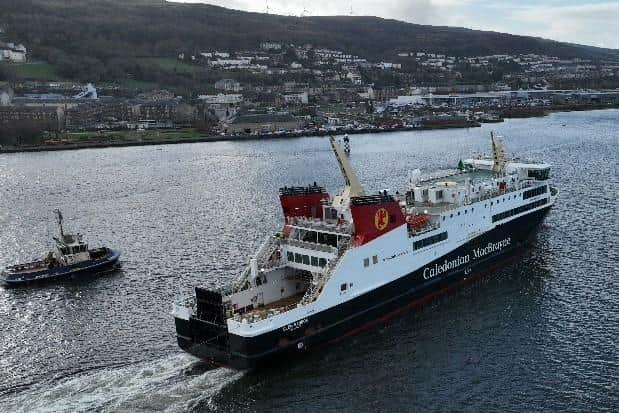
(171, 65)
(138, 85)
(34, 71)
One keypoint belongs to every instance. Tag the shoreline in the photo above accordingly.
(221, 138)
(513, 113)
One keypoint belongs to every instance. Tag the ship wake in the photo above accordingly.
(173, 384)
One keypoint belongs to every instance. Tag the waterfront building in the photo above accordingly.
(264, 123)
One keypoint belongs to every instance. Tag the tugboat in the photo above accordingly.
(72, 259)
(343, 264)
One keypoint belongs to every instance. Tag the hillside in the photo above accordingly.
(108, 39)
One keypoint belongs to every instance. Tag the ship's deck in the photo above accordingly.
(458, 177)
(282, 305)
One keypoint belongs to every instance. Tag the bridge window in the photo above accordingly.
(375, 259)
(322, 262)
(343, 287)
(298, 258)
(539, 174)
(535, 192)
(314, 261)
(290, 256)
(366, 262)
(306, 260)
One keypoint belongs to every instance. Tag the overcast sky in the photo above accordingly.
(593, 22)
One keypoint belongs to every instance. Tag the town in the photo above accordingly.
(282, 90)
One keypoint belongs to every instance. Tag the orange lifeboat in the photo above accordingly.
(416, 221)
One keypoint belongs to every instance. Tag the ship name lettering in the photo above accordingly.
(491, 247)
(445, 266)
(295, 325)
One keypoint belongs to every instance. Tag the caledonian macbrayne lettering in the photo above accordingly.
(478, 253)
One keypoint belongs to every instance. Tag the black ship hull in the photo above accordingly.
(362, 312)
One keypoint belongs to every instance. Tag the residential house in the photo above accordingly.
(296, 98)
(228, 85)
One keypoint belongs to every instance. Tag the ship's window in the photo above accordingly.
(519, 210)
(375, 259)
(430, 240)
(491, 202)
(366, 262)
(458, 212)
(472, 209)
(290, 256)
(451, 215)
(343, 287)
(466, 211)
(439, 194)
(322, 262)
(315, 261)
(443, 217)
(534, 192)
(298, 258)
(306, 259)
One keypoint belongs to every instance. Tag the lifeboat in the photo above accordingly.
(416, 221)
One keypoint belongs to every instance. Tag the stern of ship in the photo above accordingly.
(201, 328)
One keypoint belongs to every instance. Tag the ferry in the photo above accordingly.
(342, 264)
(72, 259)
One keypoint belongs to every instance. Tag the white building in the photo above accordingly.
(228, 85)
(388, 65)
(225, 107)
(354, 78)
(6, 96)
(368, 94)
(223, 55)
(270, 46)
(230, 99)
(12, 52)
(297, 98)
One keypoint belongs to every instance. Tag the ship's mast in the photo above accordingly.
(498, 156)
(59, 216)
(353, 186)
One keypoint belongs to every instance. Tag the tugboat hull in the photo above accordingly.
(194, 335)
(105, 263)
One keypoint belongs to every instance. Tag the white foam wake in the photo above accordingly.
(160, 385)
